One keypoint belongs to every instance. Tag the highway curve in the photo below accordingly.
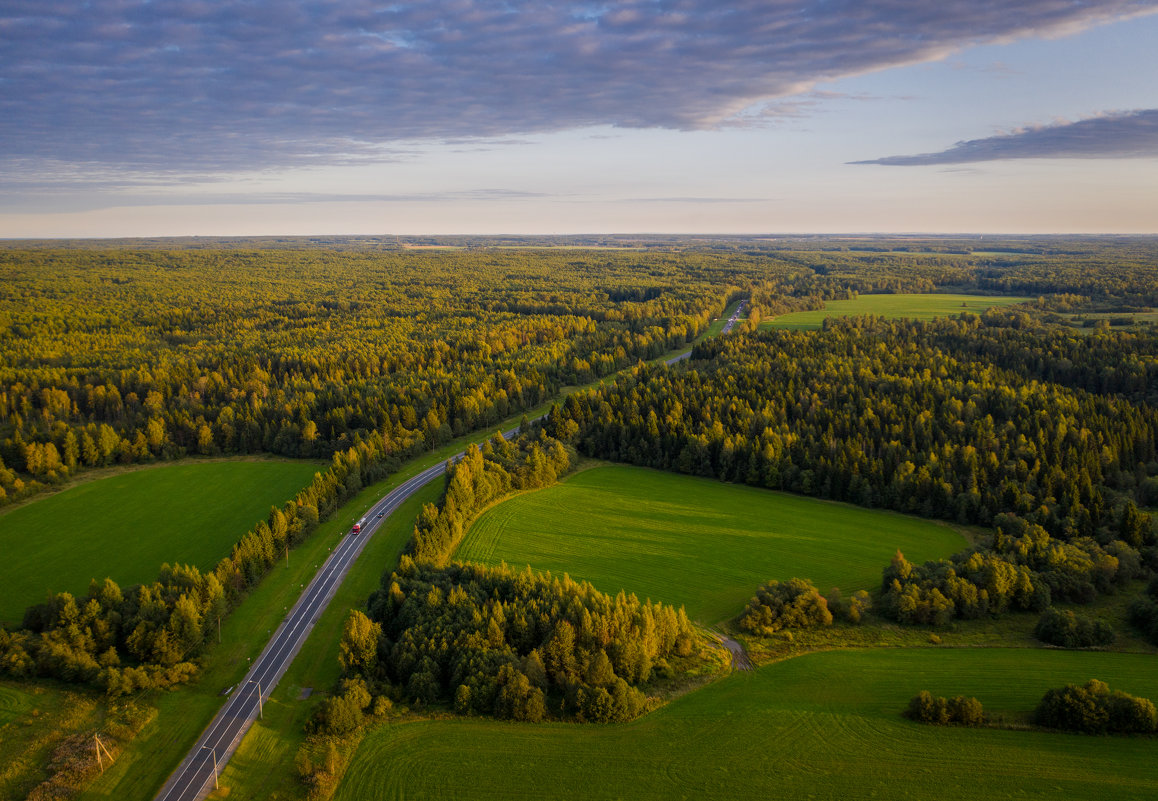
(197, 773)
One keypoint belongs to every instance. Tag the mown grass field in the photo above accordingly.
(918, 307)
(127, 525)
(694, 541)
(822, 726)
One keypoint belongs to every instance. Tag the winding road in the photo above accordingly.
(198, 772)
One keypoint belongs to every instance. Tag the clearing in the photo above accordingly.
(127, 525)
(696, 541)
(912, 306)
(826, 725)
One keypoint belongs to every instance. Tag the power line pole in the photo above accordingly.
(101, 747)
(260, 710)
(212, 751)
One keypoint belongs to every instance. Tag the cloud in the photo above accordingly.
(227, 85)
(1122, 136)
(128, 195)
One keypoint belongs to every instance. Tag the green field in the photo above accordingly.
(14, 702)
(127, 525)
(694, 541)
(822, 726)
(918, 307)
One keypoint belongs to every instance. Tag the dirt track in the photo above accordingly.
(740, 660)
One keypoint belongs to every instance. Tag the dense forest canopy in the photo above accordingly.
(133, 355)
(129, 352)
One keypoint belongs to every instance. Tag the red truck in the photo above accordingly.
(358, 526)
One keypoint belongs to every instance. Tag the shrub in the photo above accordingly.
(924, 707)
(791, 604)
(1070, 630)
(1094, 709)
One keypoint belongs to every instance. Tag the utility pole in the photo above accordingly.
(219, 629)
(101, 747)
(216, 786)
(260, 710)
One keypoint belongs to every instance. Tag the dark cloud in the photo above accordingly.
(235, 84)
(1121, 136)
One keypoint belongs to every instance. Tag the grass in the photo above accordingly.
(825, 726)
(34, 719)
(127, 525)
(184, 713)
(694, 541)
(918, 307)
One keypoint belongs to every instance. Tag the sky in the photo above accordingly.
(261, 117)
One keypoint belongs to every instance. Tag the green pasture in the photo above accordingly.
(695, 541)
(913, 306)
(822, 726)
(127, 525)
(14, 702)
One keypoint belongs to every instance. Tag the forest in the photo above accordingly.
(994, 420)
(368, 355)
(143, 352)
(1036, 424)
(134, 356)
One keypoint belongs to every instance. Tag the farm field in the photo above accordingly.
(826, 725)
(127, 525)
(913, 306)
(695, 541)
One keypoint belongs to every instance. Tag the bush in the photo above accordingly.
(1144, 616)
(1094, 709)
(1070, 630)
(791, 604)
(924, 707)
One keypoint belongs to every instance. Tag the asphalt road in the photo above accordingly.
(735, 318)
(196, 775)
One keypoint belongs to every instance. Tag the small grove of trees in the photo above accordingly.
(1024, 568)
(148, 636)
(1144, 611)
(793, 604)
(927, 708)
(1095, 709)
(513, 644)
(1070, 630)
(853, 608)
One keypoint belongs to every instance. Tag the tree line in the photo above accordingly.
(874, 412)
(151, 635)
